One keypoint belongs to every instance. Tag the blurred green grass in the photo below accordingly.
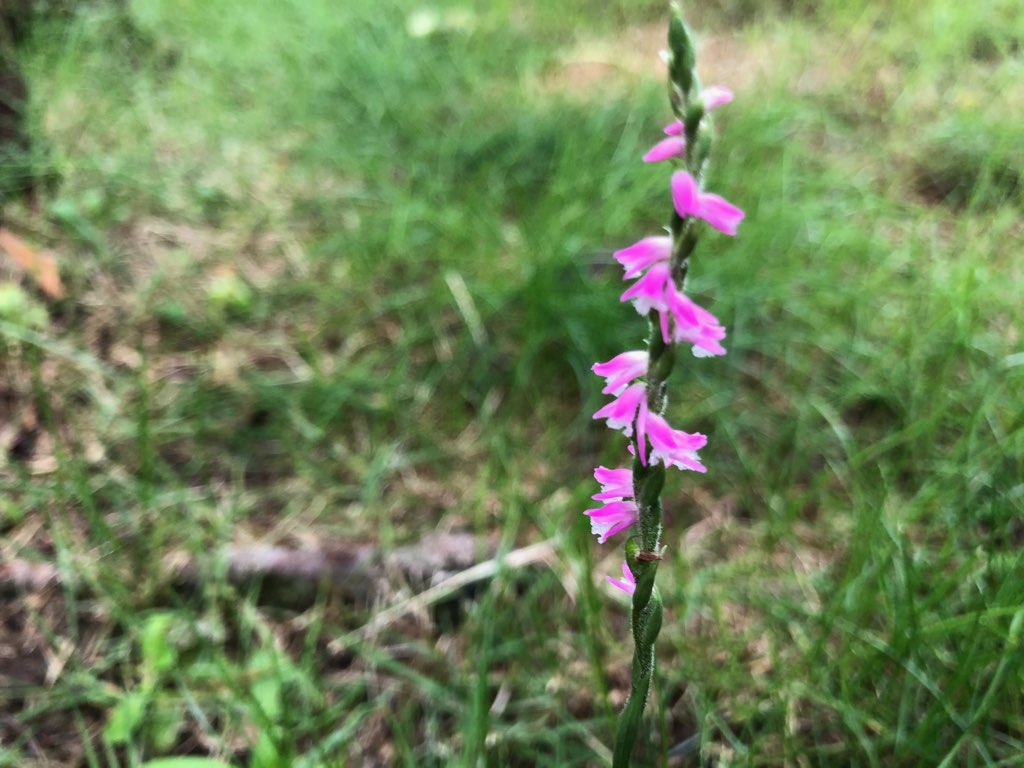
(329, 276)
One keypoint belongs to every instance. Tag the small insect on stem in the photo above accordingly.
(648, 557)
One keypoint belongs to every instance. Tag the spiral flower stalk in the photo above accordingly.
(637, 380)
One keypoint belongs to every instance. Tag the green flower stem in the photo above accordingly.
(646, 620)
(643, 551)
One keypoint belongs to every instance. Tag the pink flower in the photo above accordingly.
(675, 128)
(715, 96)
(720, 213)
(622, 411)
(621, 370)
(673, 447)
(682, 320)
(615, 483)
(673, 146)
(648, 292)
(618, 510)
(714, 209)
(614, 516)
(642, 254)
(685, 321)
(630, 406)
(628, 583)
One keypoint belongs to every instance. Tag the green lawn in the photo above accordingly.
(338, 274)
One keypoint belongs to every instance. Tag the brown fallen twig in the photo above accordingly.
(518, 558)
(448, 561)
(25, 576)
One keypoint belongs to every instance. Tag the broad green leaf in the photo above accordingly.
(163, 724)
(185, 762)
(266, 688)
(158, 653)
(265, 754)
(125, 717)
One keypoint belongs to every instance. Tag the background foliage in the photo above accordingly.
(335, 271)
